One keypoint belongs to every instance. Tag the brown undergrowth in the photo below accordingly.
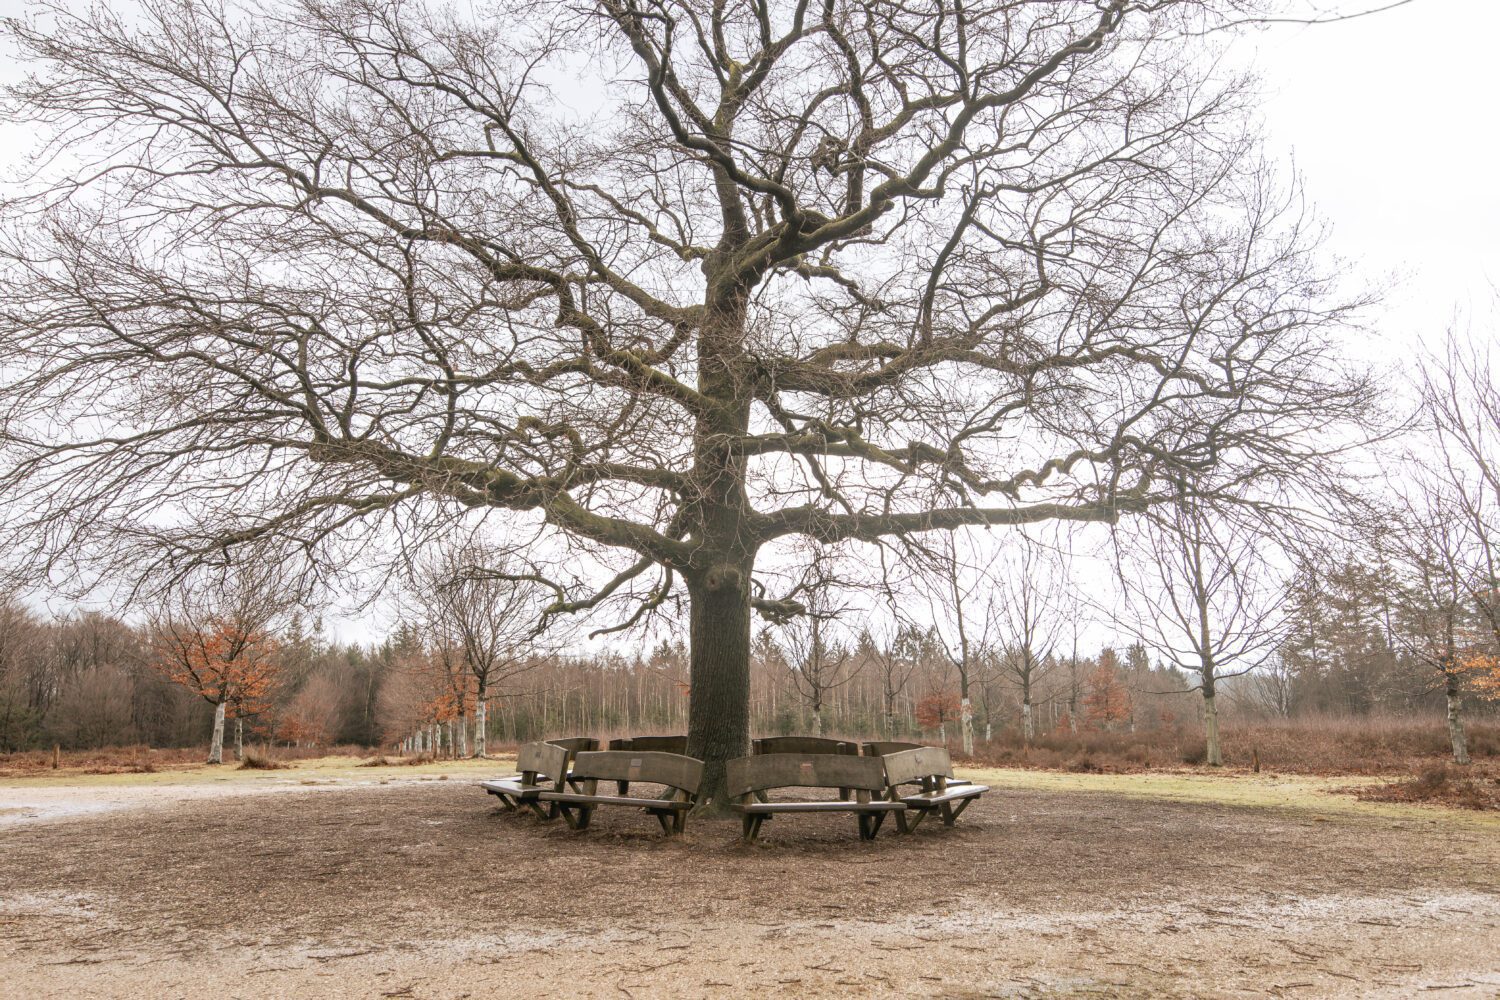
(1440, 784)
(1311, 746)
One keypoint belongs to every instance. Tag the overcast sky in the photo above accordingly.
(1391, 121)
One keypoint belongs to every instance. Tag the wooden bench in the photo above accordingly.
(681, 775)
(879, 748)
(544, 768)
(662, 744)
(882, 748)
(750, 777)
(931, 768)
(803, 745)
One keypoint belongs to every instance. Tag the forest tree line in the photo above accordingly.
(88, 680)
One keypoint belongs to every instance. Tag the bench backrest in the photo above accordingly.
(802, 744)
(879, 748)
(798, 770)
(573, 744)
(653, 767)
(664, 744)
(913, 765)
(537, 760)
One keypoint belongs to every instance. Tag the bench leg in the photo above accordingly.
(750, 825)
(918, 815)
(875, 827)
(577, 817)
(665, 821)
(679, 821)
(865, 824)
(948, 814)
(623, 787)
(957, 811)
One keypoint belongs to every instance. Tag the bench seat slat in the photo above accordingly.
(927, 799)
(577, 798)
(838, 805)
(515, 787)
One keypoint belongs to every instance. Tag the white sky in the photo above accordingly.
(1391, 121)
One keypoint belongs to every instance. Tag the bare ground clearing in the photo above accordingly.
(1179, 887)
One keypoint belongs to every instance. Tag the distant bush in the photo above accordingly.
(1440, 784)
(255, 762)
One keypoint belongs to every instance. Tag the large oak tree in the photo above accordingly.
(668, 281)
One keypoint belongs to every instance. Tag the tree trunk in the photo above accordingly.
(481, 723)
(239, 739)
(1211, 728)
(719, 678)
(1028, 726)
(966, 713)
(216, 743)
(817, 722)
(1456, 734)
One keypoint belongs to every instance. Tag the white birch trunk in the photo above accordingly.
(481, 723)
(239, 739)
(216, 744)
(1211, 731)
(966, 714)
(1028, 726)
(1456, 733)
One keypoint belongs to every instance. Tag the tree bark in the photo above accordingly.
(239, 739)
(481, 723)
(216, 743)
(1456, 734)
(719, 678)
(966, 713)
(1028, 726)
(1214, 757)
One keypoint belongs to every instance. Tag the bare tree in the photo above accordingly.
(1202, 592)
(816, 660)
(479, 611)
(896, 661)
(959, 592)
(1030, 591)
(1436, 604)
(849, 271)
(1461, 406)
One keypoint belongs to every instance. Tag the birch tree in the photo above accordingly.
(214, 636)
(664, 283)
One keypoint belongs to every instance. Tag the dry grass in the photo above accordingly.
(146, 760)
(416, 760)
(257, 762)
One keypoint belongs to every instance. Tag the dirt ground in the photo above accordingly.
(403, 885)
